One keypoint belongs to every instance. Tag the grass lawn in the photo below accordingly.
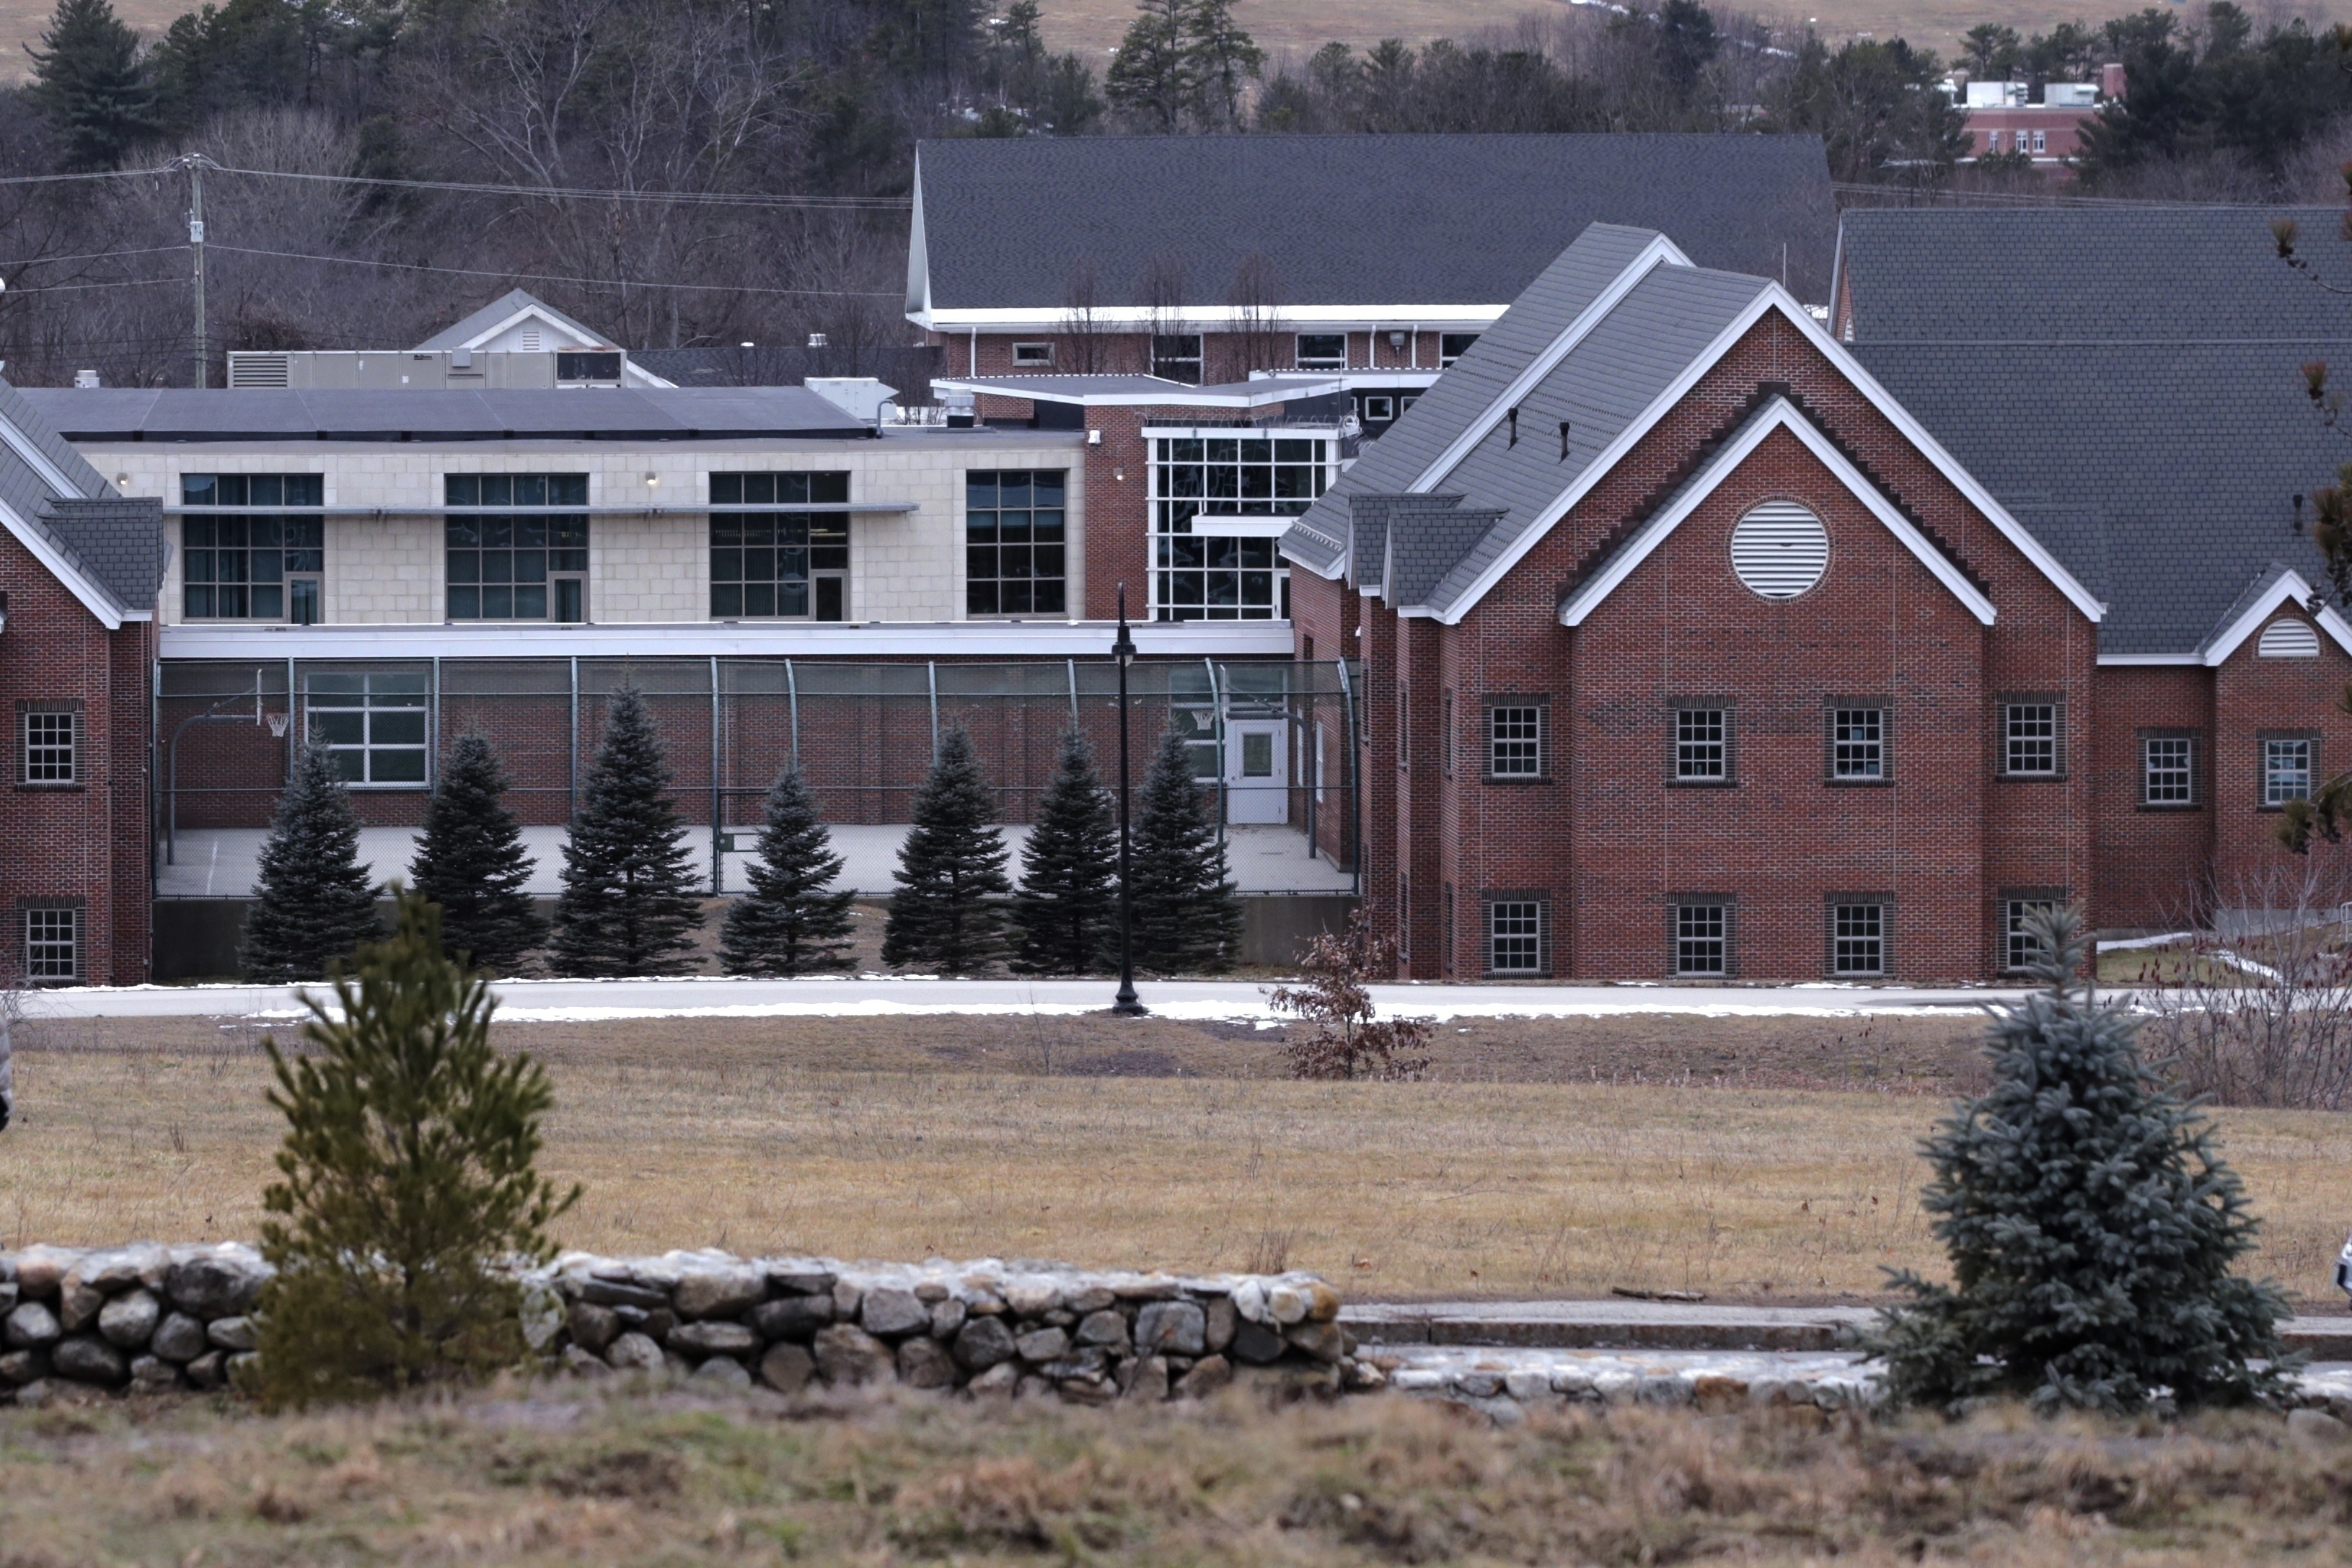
(562, 1475)
(1752, 1159)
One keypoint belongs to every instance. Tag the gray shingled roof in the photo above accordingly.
(114, 544)
(458, 335)
(647, 414)
(1354, 220)
(1619, 368)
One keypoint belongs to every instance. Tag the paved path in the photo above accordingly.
(889, 995)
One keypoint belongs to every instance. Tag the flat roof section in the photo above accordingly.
(96, 414)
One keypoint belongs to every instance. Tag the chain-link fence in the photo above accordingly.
(1273, 741)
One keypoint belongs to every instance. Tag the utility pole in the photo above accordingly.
(195, 163)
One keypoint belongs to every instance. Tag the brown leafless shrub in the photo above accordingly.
(1347, 1041)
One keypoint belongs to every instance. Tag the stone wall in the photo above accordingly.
(148, 1317)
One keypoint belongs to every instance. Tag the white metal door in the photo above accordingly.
(1257, 770)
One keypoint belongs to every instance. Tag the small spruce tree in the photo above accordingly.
(1066, 909)
(793, 921)
(89, 83)
(947, 914)
(628, 901)
(313, 901)
(1188, 913)
(2092, 1226)
(409, 1186)
(471, 862)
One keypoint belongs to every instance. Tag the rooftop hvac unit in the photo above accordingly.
(247, 369)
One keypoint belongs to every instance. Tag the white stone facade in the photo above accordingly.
(386, 565)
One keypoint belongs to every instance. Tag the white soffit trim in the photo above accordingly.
(1659, 252)
(2134, 660)
(1780, 416)
(2290, 589)
(66, 572)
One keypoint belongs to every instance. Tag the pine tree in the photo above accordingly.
(1188, 913)
(1067, 909)
(628, 899)
(408, 1180)
(2092, 1226)
(314, 902)
(946, 914)
(793, 921)
(471, 862)
(88, 82)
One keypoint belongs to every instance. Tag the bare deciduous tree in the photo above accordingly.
(1350, 1040)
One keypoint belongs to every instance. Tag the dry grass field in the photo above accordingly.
(558, 1475)
(1752, 1159)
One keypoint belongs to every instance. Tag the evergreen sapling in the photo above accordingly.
(1066, 909)
(471, 862)
(2092, 1226)
(947, 914)
(314, 902)
(629, 897)
(792, 921)
(1188, 913)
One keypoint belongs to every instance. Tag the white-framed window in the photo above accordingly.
(1515, 740)
(1452, 346)
(373, 723)
(1702, 938)
(1514, 936)
(1032, 356)
(53, 944)
(1176, 356)
(1858, 743)
(2287, 770)
(2029, 739)
(1380, 409)
(1858, 938)
(2167, 770)
(2019, 946)
(1702, 745)
(1992, 141)
(50, 746)
(1201, 575)
(2042, 140)
(1322, 351)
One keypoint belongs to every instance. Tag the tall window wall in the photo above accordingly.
(784, 564)
(1218, 506)
(251, 565)
(1015, 542)
(507, 563)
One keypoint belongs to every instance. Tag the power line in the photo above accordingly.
(70, 288)
(93, 175)
(91, 256)
(703, 199)
(554, 277)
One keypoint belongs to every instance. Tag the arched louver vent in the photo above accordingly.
(2289, 639)
(1780, 550)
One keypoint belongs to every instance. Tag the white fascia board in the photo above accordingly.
(641, 376)
(1659, 252)
(25, 447)
(2290, 589)
(528, 312)
(1205, 318)
(1178, 395)
(918, 254)
(2139, 661)
(1782, 415)
(1243, 526)
(95, 601)
(943, 639)
(1338, 559)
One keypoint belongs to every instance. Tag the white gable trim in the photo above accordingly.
(1775, 298)
(96, 602)
(1781, 415)
(2289, 589)
(1659, 252)
(25, 447)
(546, 316)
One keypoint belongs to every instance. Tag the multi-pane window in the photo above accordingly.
(1858, 743)
(1015, 542)
(1702, 938)
(373, 723)
(592, 365)
(790, 563)
(1322, 351)
(523, 565)
(257, 567)
(2286, 771)
(1200, 573)
(1515, 741)
(1176, 356)
(1452, 346)
(1858, 938)
(1514, 936)
(52, 945)
(2168, 771)
(48, 747)
(2020, 947)
(2029, 738)
(1702, 745)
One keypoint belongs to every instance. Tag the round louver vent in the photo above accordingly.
(1780, 550)
(2289, 639)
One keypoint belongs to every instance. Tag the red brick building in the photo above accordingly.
(78, 568)
(1689, 651)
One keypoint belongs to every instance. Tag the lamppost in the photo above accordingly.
(1125, 1004)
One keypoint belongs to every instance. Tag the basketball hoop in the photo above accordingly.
(278, 725)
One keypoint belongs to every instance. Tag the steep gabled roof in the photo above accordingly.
(2275, 587)
(1389, 221)
(108, 550)
(503, 312)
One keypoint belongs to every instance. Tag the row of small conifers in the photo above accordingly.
(151, 1318)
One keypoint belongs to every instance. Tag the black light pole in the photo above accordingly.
(1125, 1004)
